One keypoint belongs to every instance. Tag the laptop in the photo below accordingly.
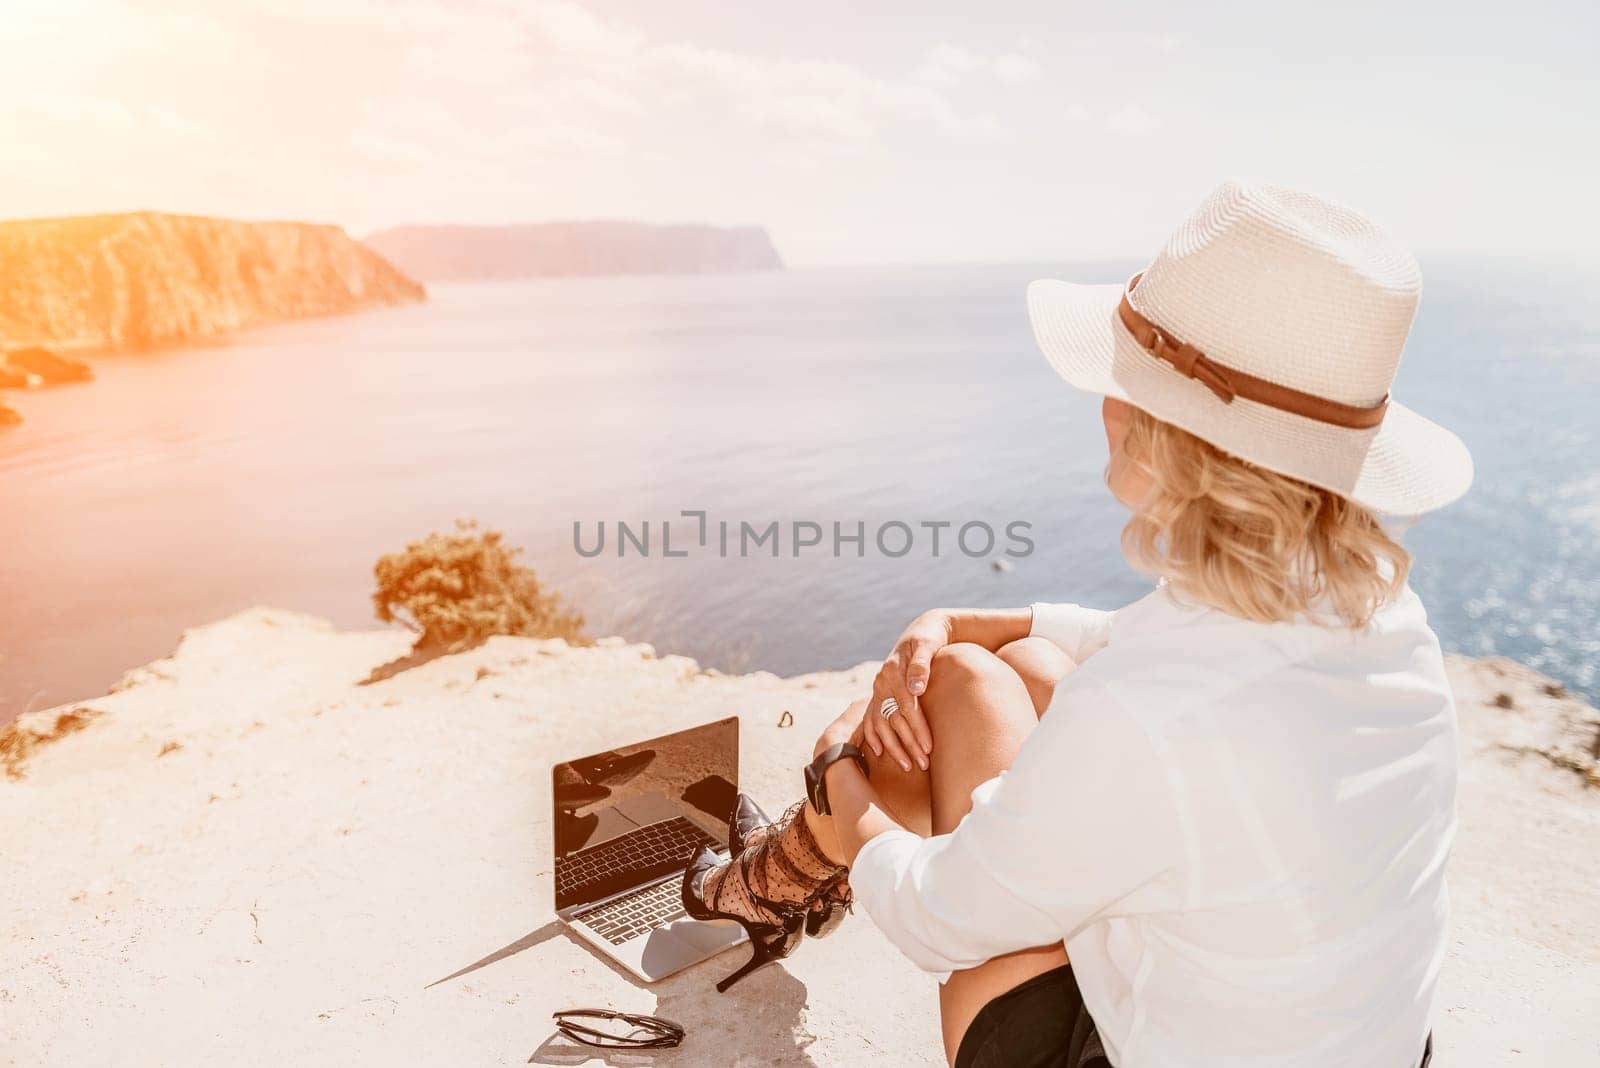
(626, 823)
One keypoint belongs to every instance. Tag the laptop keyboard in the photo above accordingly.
(640, 912)
(632, 858)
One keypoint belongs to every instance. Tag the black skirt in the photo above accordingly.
(1040, 1023)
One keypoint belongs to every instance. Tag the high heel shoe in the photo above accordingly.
(833, 901)
(769, 942)
(830, 909)
(747, 817)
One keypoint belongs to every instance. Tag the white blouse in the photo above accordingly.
(1238, 829)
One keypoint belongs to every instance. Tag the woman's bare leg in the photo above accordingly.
(1039, 663)
(903, 793)
(990, 701)
(985, 704)
(980, 707)
(970, 686)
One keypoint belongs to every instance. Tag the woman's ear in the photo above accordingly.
(1114, 414)
(1128, 481)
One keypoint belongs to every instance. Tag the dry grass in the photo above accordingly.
(21, 738)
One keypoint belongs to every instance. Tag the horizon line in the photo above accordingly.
(1587, 252)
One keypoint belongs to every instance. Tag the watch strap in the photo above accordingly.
(816, 784)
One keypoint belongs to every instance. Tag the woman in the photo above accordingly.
(1210, 828)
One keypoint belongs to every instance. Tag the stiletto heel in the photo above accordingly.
(768, 945)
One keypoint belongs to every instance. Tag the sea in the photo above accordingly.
(803, 461)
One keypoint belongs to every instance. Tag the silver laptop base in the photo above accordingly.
(654, 950)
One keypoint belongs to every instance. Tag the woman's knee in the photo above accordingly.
(958, 671)
(1041, 664)
(977, 700)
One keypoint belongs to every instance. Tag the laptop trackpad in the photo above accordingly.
(686, 941)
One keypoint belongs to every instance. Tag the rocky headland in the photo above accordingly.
(145, 279)
(259, 851)
(463, 253)
(148, 278)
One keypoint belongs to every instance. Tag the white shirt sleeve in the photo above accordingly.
(1082, 826)
(1079, 631)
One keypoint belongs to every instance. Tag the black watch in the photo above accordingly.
(816, 787)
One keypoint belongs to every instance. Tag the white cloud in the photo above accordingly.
(1016, 68)
(945, 64)
(585, 78)
(821, 114)
(601, 95)
(518, 108)
(948, 64)
(809, 96)
(1131, 120)
(577, 32)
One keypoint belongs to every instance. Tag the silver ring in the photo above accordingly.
(889, 707)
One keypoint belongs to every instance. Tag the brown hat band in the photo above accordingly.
(1228, 382)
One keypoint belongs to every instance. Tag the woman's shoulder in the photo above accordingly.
(1165, 653)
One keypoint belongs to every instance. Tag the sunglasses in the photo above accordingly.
(603, 1029)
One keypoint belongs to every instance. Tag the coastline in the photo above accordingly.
(243, 852)
(149, 280)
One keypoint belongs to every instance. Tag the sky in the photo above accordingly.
(855, 132)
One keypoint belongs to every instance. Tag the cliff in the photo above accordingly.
(148, 278)
(243, 855)
(438, 253)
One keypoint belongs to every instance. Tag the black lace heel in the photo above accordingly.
(829, 911)
(747, 818)
(768, 942)
(833, 900)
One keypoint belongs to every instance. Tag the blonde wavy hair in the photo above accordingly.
(1256, 544)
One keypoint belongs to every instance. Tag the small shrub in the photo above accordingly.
(456, 590)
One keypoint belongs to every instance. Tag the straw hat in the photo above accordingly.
(1270, 325)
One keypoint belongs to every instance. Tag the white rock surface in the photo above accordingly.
(245, 856)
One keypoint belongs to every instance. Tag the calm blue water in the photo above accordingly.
(186, 485)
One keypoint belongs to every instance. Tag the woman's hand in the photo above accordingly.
(904, 676)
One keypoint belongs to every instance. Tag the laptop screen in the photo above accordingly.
(630, 815)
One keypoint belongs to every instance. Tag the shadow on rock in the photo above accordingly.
(415, 658)
(533, 938)
(761, 1021)
(758, 1022)
(558, 1049)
